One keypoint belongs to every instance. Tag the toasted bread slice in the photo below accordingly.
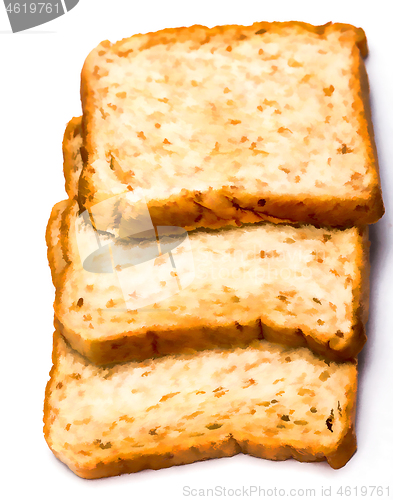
(232, 125)
(266, 400)
(297, 286)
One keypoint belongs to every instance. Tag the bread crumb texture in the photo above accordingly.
(266, 400)
(233, 124)
(294, 285)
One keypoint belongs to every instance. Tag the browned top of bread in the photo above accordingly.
(233, 124)
(266, 400)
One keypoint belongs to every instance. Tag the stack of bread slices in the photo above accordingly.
(229, 318)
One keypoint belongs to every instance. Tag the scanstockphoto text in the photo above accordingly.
(323, 491)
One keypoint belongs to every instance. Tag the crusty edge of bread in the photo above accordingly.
(150, 344)
(52, 253)
(332, 212)
(361, 86)
(74, 127)
(336, 458)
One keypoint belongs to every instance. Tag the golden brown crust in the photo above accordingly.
(72, 160)
(226, 206)
(148, 344)
(178, 456)
(53, 239)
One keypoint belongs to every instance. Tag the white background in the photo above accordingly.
(39, 89)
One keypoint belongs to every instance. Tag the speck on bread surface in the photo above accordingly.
(233, 124)
(294, 285)
(266, 400)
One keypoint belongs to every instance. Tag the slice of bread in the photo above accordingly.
(232, 125)
(294, 285)
(266, 400)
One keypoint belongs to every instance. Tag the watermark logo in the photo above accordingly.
(26, 15)
(149, 264)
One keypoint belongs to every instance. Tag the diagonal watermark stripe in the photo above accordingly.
(149, 264)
